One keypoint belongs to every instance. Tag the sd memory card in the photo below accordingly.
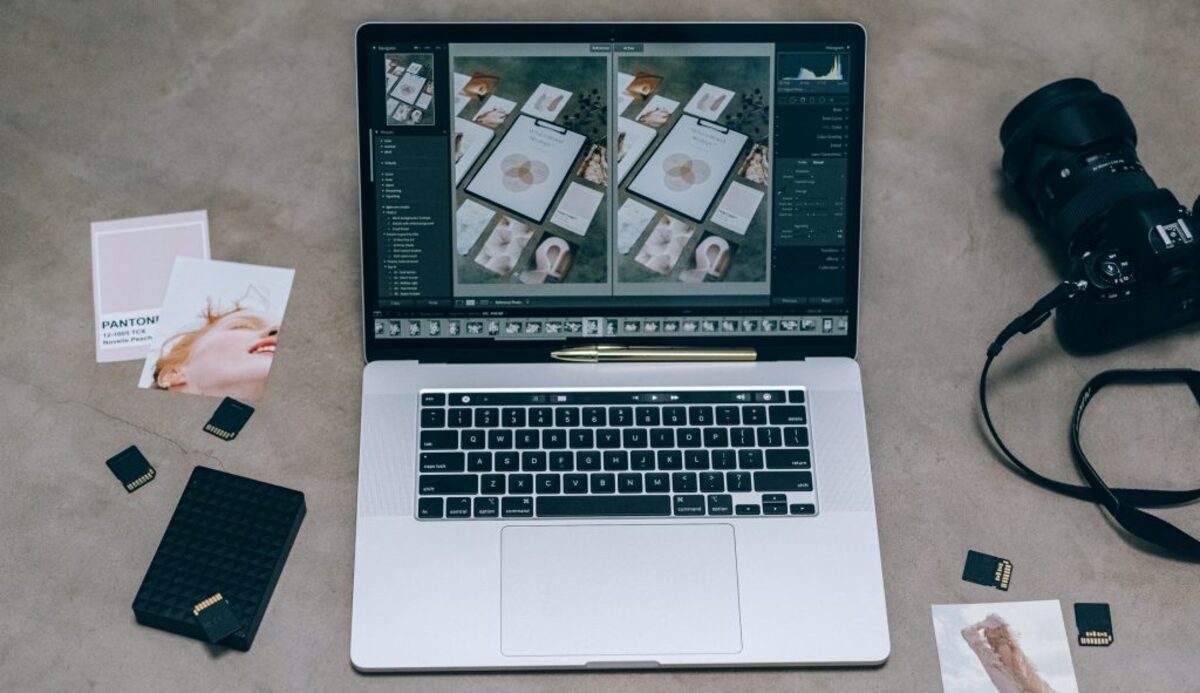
(986, 570)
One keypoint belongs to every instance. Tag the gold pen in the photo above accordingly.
(612, 352)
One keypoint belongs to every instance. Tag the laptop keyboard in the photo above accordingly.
(603, 453)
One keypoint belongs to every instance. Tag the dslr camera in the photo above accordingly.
(1134, 251)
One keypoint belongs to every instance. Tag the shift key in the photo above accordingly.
(783, 481)
(448, 484)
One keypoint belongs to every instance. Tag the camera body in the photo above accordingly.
(1070, 151)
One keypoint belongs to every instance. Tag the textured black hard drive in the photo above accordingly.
(229, 536)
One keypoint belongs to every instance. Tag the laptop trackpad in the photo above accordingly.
(636, 590)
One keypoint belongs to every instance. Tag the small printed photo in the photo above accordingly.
(494, 112)
(469, 222)
(218, 329)
(460, 98)
(657, 111)
(577, 208)
(624, 98)
(550, 261)
(710, 260)
(424, 100)
(470, 139)
(632, 140)
(664, 245)
(415, 116)
(643, 84)
(709, 101)
(1003, 647)
(399, 116)
(480, 85)
(546, 102)
(632, 218)
(502, 250)
(756, 167)
(594, 167)
(414, 68)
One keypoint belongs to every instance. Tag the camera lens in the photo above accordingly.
(1070, 150)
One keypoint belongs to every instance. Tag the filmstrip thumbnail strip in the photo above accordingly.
(558, 328)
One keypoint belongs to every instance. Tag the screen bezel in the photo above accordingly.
(489, 350)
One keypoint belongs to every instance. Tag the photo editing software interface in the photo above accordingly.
(545, 191)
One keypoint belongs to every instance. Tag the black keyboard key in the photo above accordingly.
(473, 439)
(700, 416)
(460, 417)
(608, 438)
(439, 440)
(750, 459)
(575, 483)
(695, 459)
(669, 460)
(641, 460)
(442, 462)
(662, 438)
(774, 498)
(520, 484)
(742, 437)
(620, 416)
(500, 439)
(724, 459)
(581, 438)
(629, 483)
(716, 438)
(429, 508)
(548, 483)
(487, 507)
(712, 482)
(775, 508)
(683, 482)
(754, 416)
(433, 399)
(737, 482)
(689, 505)
(769, 437)
(796, 396)
(448, 484)
(635, 438)
(528, 439)
(793, 415)
(674, 416)
(658, 483)
(513, 417)
(507, 461)
(782, 481)
(688, 438)
(541, 416)
(803, 509)
(456, 507)
(566, 417)
(533, 461)
(487, 417)
(604, 506)
(554, 439)
(646, 416)
(603, 483)
(595, 416)
(433, 418)
(493, 484)
(728, 416)
(795, 437)
(616, 460)
(788, 459)
(516, 507)
(720, 504)
(587, 460)
(478, 462)
(748, 509)
(562, 461)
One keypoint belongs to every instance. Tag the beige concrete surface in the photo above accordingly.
(117, 108)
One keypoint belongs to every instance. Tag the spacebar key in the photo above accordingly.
(606, 506)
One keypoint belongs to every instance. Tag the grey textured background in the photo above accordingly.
(120, 108)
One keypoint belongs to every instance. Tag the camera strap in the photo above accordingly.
(1123, 504)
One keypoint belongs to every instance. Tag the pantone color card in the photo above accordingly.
(131, 264)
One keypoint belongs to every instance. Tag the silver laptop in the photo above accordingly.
(611, 416)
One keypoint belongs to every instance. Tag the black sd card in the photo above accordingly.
(131, 468)
(986, 570)
(216, 617)
(1094, 622)
(228, 419)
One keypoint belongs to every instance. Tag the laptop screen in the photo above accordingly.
(617, 184)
